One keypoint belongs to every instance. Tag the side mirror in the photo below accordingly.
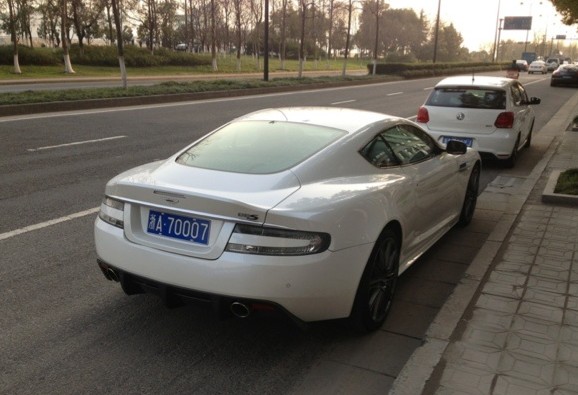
(534, 100)
(455, 147)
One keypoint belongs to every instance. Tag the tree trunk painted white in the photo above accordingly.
(122, 71)
(344, 67)
(300, 68)
(67, 65)
(214, 64)
(238, 65)
(16, 65)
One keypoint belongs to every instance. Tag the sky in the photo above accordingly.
(476, 20)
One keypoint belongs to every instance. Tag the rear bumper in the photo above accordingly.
(310, 288)
(499, 143)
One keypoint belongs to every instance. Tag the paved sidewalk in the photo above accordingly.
(511, 325)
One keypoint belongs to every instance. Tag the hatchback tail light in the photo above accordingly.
(505, 120)
(422, 115)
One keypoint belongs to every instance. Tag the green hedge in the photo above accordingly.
(33, 56)
(134, 57)
(418, 70)
(99, 55)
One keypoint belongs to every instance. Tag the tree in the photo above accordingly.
(283, 33)
(449, 44)
(213, 36)
(13, 36)
(257, 16)
(348, 36)
(84, 18)
(239, 18)
(568, 9)
(64, 39)
(119, 41)
(303, 16)
(49, 17)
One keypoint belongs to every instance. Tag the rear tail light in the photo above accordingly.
(112, 212)
(422, 115)
(250, 239)
(505, 120)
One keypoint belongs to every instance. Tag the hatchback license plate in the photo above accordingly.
(179, 227)
(466, 140)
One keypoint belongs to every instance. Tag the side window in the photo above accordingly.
(523, 93)
(409, 144)
(516, 95)
(378, 153)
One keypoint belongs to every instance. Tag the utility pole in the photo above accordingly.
(266, 43)
(437, 32)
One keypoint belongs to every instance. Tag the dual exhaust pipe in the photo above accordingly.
(108, 271)
(238, 309)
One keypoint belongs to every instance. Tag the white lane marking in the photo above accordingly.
(342, 102)
(7, 235)
(395, 93)
(75, 143)
(429, 88)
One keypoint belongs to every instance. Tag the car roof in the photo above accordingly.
(346, 119)
(479, 81)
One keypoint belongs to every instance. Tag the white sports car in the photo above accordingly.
(313, 212)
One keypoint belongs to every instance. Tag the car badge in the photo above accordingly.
(170, 197)
(460, 116)
(247, 216)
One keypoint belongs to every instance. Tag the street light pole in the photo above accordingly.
(499, 38)
(495, 49)
(266, 38)
(437, 32)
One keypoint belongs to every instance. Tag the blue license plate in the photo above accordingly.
(191, 229)
(466, 140)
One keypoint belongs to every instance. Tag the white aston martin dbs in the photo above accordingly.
(313, 212)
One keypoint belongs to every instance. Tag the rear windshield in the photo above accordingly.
(259, 147)
(468, 98)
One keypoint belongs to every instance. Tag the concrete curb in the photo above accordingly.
(421, 366)
(548, 196)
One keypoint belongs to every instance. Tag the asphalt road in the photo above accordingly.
(66, 330)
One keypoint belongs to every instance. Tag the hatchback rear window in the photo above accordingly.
(468, 98)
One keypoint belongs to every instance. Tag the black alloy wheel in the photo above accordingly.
(377, 286)
(471, 197)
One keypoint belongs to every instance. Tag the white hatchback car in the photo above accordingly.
(308, 211)
(493, 115)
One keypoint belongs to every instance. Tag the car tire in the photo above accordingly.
(471, 198)
(511, 161)
(528, 142)
(377, 286)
